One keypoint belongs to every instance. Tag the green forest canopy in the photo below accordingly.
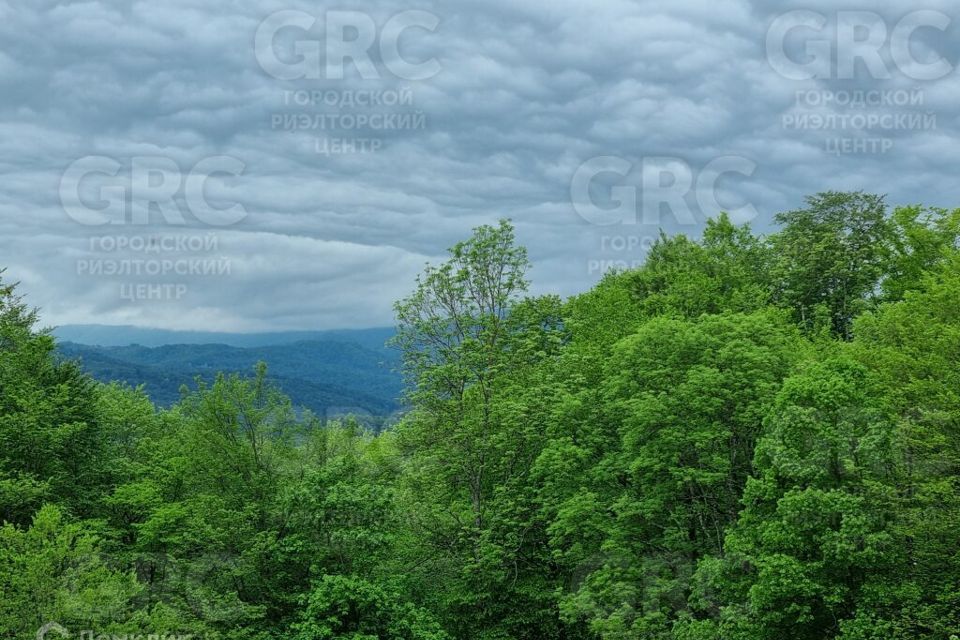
(746, 438)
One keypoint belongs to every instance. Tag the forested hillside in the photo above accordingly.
(750, 438)
(330, 378)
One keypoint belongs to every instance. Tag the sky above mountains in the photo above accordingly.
(284, 165)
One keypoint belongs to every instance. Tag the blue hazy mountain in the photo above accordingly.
(122, 335)
(329, 372)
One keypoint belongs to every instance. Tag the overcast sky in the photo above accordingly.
(310, 192)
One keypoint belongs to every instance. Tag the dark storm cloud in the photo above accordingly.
(526, 93)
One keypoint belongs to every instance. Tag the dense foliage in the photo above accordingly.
(747, 438)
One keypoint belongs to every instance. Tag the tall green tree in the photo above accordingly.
(923, 240)
(832, 254)
(726, 270)
(471, 348)
(914, 346)
(815, 530)
(687, 400)
(52, 445)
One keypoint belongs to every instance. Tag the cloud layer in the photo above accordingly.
(525, 95)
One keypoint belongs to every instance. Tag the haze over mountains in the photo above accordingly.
(331, 373)
(123, 335)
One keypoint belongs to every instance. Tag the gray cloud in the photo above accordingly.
(526, 93)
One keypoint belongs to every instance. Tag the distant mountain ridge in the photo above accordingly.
(331, 373)
(124, 335)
